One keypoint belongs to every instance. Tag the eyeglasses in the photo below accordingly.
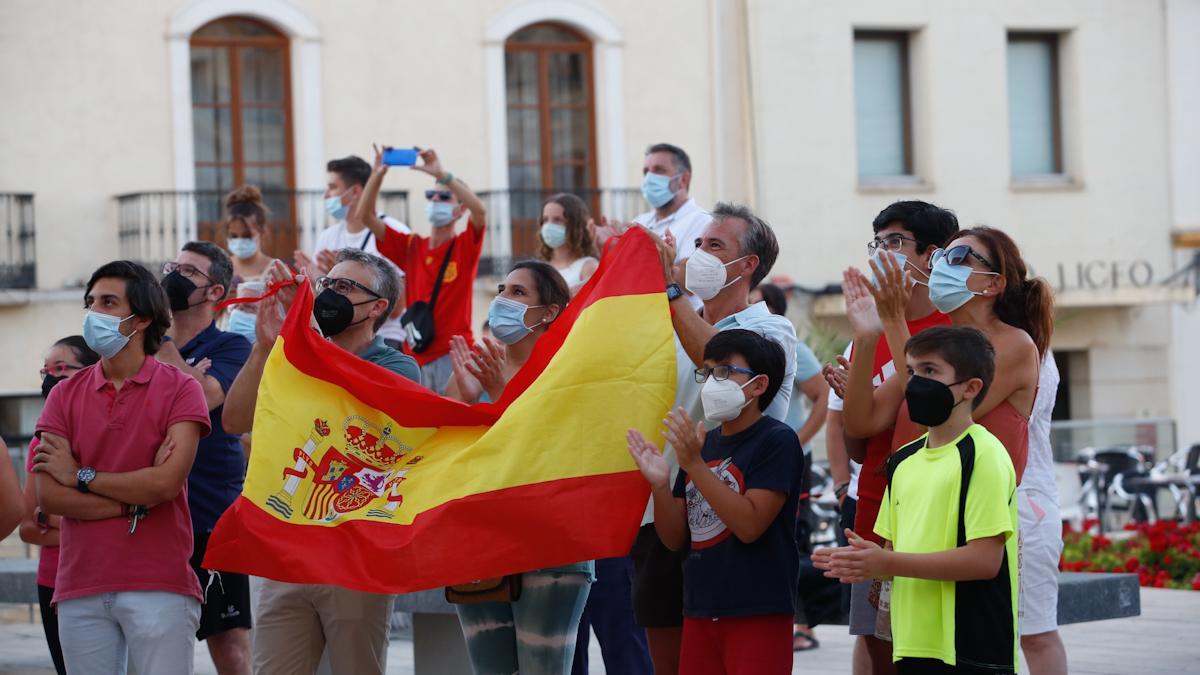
(956, 255)
(720, 373)
(891, 242)
(344, 286)
(58, 370)
(185, 269)
(439, 195)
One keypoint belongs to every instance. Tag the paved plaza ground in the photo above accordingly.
(1164, 639)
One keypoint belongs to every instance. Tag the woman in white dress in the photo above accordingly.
(567, 241)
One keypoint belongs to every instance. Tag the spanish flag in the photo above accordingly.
(363, 479)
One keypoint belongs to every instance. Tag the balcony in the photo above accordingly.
(153, 225)
(18, 267)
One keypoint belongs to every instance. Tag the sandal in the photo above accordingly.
(799, 635)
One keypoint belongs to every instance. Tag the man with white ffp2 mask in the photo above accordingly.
(732, 254)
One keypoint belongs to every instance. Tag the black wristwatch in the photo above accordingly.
(673, 292)
(83, 478)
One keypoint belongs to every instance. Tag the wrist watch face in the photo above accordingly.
(86, 474)
(673, 291)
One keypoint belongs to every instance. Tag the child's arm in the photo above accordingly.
(670, 512)
(863, 560)
(748, 515)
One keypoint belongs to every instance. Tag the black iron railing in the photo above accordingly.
(514, 218)
(18, 257)
(152, 226)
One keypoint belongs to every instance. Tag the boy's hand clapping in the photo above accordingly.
(687, 437)
(862, 560)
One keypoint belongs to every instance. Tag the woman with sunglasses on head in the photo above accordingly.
(568, 241)
(536, 632)
(67, 357)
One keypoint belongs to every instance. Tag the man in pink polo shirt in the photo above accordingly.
(125, 591)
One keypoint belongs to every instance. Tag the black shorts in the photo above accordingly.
(657, 581)
(226, 595)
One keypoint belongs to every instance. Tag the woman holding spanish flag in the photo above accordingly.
(530, 626)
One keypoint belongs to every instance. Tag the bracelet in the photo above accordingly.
(446, 179)
(840, 491)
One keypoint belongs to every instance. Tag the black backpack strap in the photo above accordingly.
(966, 455)
(437, 285)
(366, 240)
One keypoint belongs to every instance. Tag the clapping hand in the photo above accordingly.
(837, 376)
(469, 388)
(687, 437)
(895, 286)
(862, 560)
(860, 304)
(649, 460)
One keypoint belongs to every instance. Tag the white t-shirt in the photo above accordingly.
(686, 225)
(836, 403)
(1039, 466)
(572, 273)
(336, 237)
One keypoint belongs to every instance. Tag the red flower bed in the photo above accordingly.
(1163, 555)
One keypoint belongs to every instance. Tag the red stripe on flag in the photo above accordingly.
(477, 537)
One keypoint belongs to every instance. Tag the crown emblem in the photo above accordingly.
(374, 447)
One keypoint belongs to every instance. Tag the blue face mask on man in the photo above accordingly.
(102, 332)
(335, 208)
(656, 188)
(440, 214)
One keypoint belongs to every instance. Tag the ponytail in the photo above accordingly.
(1039, 312)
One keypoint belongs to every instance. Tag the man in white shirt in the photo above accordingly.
(346, 178)
(666, 179)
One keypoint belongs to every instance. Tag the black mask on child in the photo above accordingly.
(335, 313)
(929, 402)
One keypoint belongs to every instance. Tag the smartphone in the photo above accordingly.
(400, 156)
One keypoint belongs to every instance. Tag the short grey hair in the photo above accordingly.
(386, 279)
(758, 239)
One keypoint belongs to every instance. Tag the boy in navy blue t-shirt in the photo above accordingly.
(734, 502)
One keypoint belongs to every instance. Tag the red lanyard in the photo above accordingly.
(271, 290)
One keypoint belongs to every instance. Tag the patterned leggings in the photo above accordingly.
(534, 635)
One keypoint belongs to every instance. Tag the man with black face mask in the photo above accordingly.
(353, 301)
(195, 282)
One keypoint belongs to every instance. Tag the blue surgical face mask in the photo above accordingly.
(506, 318)
(901, 260)
(243, 247)
(102, 332)
(335, 208)
(656, 188)
(242, 323)
(440, 214)
(948, 286)
(554, 234)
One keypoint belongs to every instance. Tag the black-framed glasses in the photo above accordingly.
(957, 255)
(720, 373)
(439, 195)
(344, 286)
(186, 269)
(890, 242)
(58, 369)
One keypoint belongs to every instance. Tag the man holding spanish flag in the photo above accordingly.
(364, 480)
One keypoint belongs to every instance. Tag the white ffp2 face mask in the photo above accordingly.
(706, 274)
(723, 400)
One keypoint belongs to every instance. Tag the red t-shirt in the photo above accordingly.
(872, 479)
(452, 313)
(121, 431)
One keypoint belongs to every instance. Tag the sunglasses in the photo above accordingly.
(957, 255)
(439, 195)
(344, 286)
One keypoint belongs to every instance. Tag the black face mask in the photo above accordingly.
(48, 383)
(179, 291)
(929, 402)
(335, 313)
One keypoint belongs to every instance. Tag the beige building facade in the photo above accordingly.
(1074, 126)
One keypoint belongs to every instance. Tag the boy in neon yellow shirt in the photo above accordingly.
(949, 519)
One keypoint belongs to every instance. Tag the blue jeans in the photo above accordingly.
(534, 635)
(609, 612)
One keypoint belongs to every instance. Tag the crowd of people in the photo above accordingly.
(148, 425)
